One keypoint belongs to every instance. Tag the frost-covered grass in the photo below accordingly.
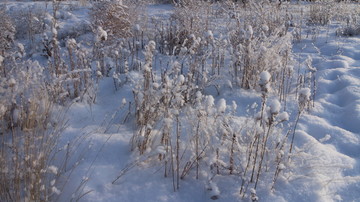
(201, 101)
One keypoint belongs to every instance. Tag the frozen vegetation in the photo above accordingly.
(179, 100)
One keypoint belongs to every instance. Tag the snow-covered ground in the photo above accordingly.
(329, 135)
(325, 164)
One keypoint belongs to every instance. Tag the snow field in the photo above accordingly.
(323, 166)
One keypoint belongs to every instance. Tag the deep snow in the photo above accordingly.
(325, 165)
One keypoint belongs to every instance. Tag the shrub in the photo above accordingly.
(349, 31)
(30, 130)
(260, 43)
(7, 31)
(321, 14)
(29, 22)
(114, 17)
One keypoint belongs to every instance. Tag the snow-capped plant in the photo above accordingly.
(259, 44)
(253, 196)
(264, 82)
(221, 106)
(100, 35)
(311, 79)
(30, 129)
(303, 101)
(145, 100)
(79, 74)
(304, 98)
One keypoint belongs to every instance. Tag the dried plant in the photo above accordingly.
(7, 32)
(114, 17)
